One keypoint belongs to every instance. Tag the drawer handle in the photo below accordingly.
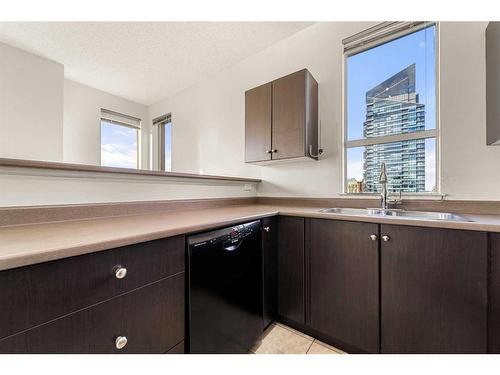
(267, 229)
(121, 342)
(373, 237)
(386, 238)
(120, 272)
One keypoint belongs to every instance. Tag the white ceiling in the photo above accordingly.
(144, 61)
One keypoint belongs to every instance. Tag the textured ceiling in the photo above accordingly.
(144, 61)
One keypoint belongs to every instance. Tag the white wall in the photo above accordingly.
(470, 169)
(45, 117)
(82, 114)
(31, 187)
(208, 119)
(31, 106)
(208, 127)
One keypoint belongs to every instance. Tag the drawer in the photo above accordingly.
(151, 318)
(35, 294)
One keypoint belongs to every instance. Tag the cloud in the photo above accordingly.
(355, 170)
(430, 168)
(118, 155)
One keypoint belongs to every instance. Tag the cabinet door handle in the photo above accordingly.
(120, 342)
(269, 151)
(267, 229)
(120, 272)
(373, 237)
(386, 238)
(274, 150)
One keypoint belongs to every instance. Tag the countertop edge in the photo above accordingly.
(11, 260)
(71, 167)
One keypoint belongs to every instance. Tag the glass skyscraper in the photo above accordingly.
(392, 107)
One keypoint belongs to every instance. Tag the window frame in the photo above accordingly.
(425, 134)
(160, 123)
(127, 121)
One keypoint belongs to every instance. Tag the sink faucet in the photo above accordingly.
(383, 180)
(384, 201)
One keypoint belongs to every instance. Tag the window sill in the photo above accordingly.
(416, 196)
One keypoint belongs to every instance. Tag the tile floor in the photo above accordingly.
(281, 339)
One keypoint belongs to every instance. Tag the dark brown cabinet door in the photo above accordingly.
(178, 349)
(281, 119)
(289, 111)
(494, 311)
(151, 318)
(291, 301)
(270, 268)
(258, 123)
(344, 282)
(38, 293)
(433, 290)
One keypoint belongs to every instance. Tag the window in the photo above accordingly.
(390, 108)
(120, 136)
(164, 125)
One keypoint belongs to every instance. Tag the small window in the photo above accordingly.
(164, 125)
(120, 136)
(390, 108)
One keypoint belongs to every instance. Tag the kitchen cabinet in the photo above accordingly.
(291, 278)
(344, 282)
(180, 348)
(258, 114)
(494, 297)
(281, 119)
(82, 303)
(433, 290)
(150, 319)
(270, 268)
(493, 83)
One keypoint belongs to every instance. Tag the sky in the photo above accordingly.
(367, 69)
(168, 146)
(118, 145)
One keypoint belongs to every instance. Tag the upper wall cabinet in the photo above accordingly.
(493, 83)
(281, 119)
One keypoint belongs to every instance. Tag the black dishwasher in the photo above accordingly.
(225, 289)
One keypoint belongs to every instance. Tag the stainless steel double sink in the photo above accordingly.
(396, 213)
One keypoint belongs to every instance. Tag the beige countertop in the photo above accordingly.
(23, 245)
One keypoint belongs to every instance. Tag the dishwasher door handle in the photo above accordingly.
(233, 246)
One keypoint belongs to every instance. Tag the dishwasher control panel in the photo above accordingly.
(227, 237)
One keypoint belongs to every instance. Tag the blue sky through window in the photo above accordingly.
(118, 145)
(168, 146)
(369, 68)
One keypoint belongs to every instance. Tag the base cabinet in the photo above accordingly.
(150, 318)
(83, 304)
(433, 290)
(291, 278)
(494, 296)
(270, 268)
(344, 282)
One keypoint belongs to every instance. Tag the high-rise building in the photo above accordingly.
(392, 107)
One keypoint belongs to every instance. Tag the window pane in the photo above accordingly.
(411, 166)
(168, 146)
(391, 87)
(118, 145)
